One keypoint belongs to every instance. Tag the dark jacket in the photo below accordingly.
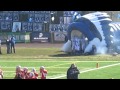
(72, 73)
(8, 42)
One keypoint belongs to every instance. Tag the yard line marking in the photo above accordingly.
(8, 71)
(53, 66)
(88, 70)
(36, 67)
(58, 65)
(59, 61)
(38, 72)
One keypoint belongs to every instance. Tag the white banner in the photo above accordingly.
(16, 26)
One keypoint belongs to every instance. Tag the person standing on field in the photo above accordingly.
(73, 72)
(43, 72)
(8, 44)
(35, 73)
(1, 74)
(0, 47)
(13, 44)
(19, 73)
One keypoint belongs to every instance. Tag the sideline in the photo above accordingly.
(88, 70)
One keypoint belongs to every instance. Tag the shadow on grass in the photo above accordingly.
(61, 55)
(66, 55)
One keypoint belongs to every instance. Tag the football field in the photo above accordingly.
(57, 62)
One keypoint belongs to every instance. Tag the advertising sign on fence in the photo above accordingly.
(39, 37)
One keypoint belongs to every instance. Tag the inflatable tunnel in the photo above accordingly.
(97, 29)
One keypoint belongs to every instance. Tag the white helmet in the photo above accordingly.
(18, 66)
(31, 74)
(42, 67)
(25, 69)
(33, 70)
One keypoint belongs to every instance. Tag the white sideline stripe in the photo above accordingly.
(88, 70)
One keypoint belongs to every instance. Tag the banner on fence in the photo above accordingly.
(59, 36)
(16, 27)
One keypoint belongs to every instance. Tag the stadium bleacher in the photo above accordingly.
(19, 22)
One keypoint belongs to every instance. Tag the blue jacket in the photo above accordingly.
(13, 40)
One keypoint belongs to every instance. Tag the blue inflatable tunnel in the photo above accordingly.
(98, 29)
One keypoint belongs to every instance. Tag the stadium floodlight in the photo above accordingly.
(53, 18)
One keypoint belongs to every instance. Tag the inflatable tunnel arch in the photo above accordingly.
(95, 27)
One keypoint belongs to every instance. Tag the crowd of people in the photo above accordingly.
(23, 73)
(79, 44)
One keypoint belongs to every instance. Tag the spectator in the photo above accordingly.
(30, 19)
(13, 44)
(72, 72)
(0, 47)
(43, 72)
(8, 44)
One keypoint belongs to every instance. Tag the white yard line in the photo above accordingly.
(57, 61)
(88, 70)
(53, 66)
(39, 67)
(58, 65)
(9, 71)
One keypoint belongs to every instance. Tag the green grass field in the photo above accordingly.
(57, 63)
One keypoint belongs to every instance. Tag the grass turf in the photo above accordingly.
(57, 63)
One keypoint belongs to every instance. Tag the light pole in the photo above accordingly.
(52, 18)
(45, 22)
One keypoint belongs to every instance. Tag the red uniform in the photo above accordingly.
(1, 74)
(19, 74)
(43, 73)
(36, 74)
(34, 77)
(26, 75)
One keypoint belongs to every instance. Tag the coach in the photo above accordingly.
(73, 72)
